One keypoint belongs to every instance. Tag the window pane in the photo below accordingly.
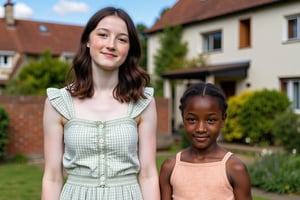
(217, 41)
(292, 28)
(206, 43)
(296, 95)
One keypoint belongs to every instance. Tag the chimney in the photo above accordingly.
(9, 13)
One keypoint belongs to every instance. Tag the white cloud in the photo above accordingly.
(21, 10)
(66, 7)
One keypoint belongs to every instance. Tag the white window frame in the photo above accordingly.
(209, 41)
(6, 60)
(293, 92)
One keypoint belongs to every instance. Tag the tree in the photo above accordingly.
(143, 41)
(170, 56)
(35, 77)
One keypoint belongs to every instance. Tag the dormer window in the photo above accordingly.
(43, 28)
(6, 60)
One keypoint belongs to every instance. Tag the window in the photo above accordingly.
(5, 61)
(245, 33)
(293, 28)
(292, 89)
(212, 41)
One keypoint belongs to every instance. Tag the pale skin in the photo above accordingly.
(109, 46)
(202, 121)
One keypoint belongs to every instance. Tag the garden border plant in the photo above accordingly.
(4, 124)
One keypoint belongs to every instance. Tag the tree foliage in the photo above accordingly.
(170, 55)
(143, 41)
(36, 76)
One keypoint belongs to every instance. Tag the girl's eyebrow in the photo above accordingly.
(105, 29)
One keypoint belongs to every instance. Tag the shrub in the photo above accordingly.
(276, 173)
(4, 123)
(286, 130)
(184, 140)
(258, 113)
(232, 130)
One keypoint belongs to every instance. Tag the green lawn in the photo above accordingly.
(20, 182)
(23, 181)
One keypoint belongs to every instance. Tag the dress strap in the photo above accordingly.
(178, 156)
(226, 157)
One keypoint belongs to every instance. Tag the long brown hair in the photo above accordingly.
(132, 77)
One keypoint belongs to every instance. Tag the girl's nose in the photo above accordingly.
(201, 127)
(110, 44)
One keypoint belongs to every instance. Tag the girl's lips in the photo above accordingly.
(200, 138)
(109, 54)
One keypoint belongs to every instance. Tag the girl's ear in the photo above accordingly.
(223, 119)
(88, 45)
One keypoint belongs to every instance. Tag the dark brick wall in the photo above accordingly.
(26, 123)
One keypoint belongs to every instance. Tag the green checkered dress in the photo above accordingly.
(100, 158)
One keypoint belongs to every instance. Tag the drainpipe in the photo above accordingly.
(9, 13)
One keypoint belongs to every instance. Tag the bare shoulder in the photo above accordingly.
(235, 164)
(168, 166)
(237, 173)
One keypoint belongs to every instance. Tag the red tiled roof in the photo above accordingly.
(191, 11)
(26, 37)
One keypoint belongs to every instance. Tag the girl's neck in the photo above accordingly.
(213, 153)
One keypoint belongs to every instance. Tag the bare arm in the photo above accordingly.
(240, 179)
(53, 151)
(164, 179)
(148, 177)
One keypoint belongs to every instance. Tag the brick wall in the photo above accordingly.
(26, 127)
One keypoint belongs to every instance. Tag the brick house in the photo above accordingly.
(24, 40)
(248, 45)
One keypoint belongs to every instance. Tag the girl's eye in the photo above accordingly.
(123, 40)
(103, 35)
(211, 121)
(191, 120)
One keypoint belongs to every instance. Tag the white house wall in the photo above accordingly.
(270, 56)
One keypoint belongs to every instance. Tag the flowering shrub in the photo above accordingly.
(276, 173)
(232, 130)
(286, 130)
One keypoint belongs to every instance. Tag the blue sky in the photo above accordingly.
(78, 12)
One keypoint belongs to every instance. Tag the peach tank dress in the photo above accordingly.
(201, 181)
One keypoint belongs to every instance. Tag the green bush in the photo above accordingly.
(258, 114)
(232, 128)
(286, 130)
(276, 173)
(4, 123)
(184, 140)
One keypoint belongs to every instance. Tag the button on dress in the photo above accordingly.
(100, 157)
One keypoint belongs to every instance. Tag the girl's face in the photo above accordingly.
(202, 119)
(109, 43)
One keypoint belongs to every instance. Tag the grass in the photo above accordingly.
(20, 182)
(23, 181)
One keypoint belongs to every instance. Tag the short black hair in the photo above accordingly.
(202, 89)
